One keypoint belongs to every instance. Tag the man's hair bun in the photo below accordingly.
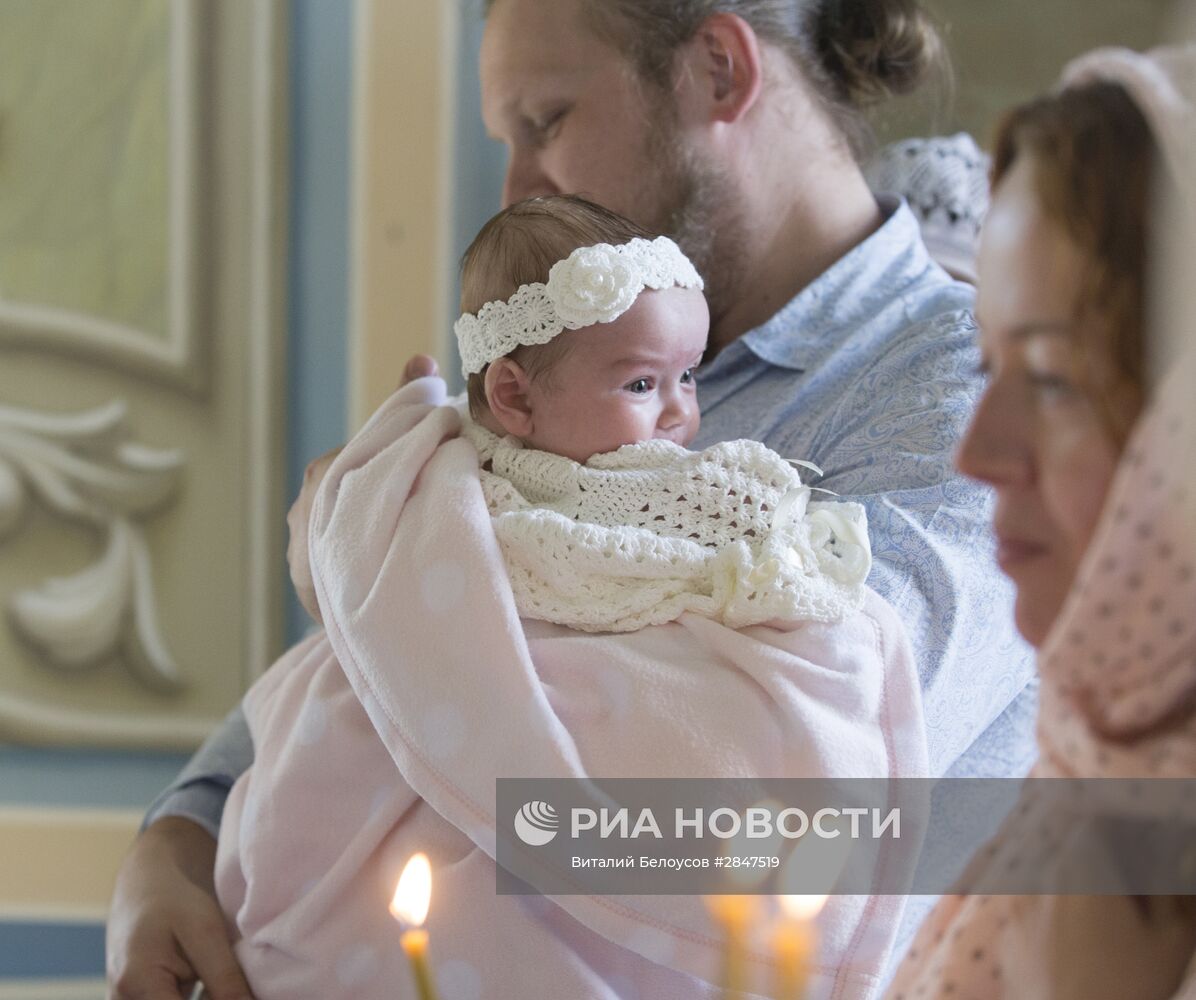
(875, 49)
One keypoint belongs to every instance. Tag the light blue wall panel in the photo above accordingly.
(318, 269)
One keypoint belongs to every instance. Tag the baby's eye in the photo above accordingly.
(688, 376)
(640, 385)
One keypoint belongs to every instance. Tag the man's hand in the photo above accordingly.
(300, 513)
(419, 366)
(165, 929)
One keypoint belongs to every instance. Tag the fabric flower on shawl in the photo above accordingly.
(592, 285)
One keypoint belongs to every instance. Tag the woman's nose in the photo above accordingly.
(525, 179)
(997, 446)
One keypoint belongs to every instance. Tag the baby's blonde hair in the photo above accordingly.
(518, 247)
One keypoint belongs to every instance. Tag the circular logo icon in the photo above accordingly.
(536, 823)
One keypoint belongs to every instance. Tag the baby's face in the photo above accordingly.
(624, 382)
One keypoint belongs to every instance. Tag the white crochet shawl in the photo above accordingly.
(641, 535)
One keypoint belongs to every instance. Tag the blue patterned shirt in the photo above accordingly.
(870, 372)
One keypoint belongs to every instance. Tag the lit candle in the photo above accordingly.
(734, 914)
(413, 896)
(794, 940)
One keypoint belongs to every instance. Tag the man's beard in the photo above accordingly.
(695, 203)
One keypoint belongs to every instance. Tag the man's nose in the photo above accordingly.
(525, 179)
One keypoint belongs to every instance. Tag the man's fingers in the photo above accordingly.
(211, 955)
(419, 366)
(167, 989)
(316, 468)
(147, 982)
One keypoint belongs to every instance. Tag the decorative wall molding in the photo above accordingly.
(226, 616)
(83, 467)
(177, 358)
(23, 720)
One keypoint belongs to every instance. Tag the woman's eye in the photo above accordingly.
(688, 376)
(1050, 385)
(640, 385)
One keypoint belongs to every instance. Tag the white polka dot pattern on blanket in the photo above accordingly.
(458, 980)
(306, 888)
(380, 800)
(357, 967)
(442, 586)
(444, 731)
(249, 815)
(313, 723)
(617, 692)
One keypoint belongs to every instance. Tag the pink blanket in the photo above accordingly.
(385, 736)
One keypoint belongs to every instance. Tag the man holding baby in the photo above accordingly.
(736, 127)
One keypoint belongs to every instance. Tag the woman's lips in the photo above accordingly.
(1013, 552)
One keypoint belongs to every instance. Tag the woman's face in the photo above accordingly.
(1042, 435)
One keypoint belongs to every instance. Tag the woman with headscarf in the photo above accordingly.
(1089, 454)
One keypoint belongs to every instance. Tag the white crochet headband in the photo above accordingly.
(594, 284)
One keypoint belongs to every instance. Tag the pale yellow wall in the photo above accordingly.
(60, 864)
(1005, 51)
(405, 79)
(83, 157)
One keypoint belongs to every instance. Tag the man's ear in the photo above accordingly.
(723, 66)
(506, 385)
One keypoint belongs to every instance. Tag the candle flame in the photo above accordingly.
(802, 907)
(413, 894)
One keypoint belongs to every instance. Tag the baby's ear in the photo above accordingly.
(507, 387)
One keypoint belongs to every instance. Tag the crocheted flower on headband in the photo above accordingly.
(594, 284)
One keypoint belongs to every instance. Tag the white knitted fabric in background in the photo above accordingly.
(644, 534)
(945, 180)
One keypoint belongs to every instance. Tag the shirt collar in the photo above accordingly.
(869, 277)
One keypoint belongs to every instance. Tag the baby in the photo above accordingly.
(547, 583)
(582, 389)
(587, 362)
